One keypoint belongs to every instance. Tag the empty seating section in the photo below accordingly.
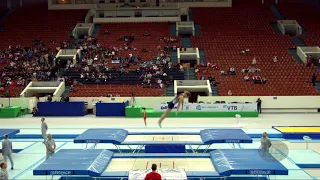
(28, 23)
(307, 15)
(150, 43)
(226, 31)
(94, 90)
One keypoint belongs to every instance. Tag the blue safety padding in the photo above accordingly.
(75, 162)
(165, 133)
(10, 132)
(308, 165)
(245, 161)
(165, 148)
(14, 150)
(61, 109)
(111, 109)
(211, 136)
(114, 174)
(39, 136)
(202, 174)
(114, 136)
(160, 155)
(163, 143)
(300, 135)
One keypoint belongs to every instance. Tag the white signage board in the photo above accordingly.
(235, 107)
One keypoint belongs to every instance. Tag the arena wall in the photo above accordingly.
(269, 103)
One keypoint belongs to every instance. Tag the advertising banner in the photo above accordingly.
(235, 107)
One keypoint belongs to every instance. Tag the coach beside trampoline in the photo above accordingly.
(44, 129)
(3, 171)
(51, 146)
(7, 150)
(265, 143)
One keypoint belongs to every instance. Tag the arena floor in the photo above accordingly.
(33, 151)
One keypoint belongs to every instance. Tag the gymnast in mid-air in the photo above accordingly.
(178, 99)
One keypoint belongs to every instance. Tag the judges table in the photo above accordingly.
(12, 111)
(198, 110)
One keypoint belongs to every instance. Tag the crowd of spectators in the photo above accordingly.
(253, 71)
(102, 63)
(20, 65)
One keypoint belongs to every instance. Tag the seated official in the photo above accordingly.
(153, 175)
(49, 98)
(34, 111)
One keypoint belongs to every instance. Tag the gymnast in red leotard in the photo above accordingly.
(145, 116)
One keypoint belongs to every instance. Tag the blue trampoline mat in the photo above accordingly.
(114, 136)
(208, 136)
(93, 162)
(75, 162)
(246, 161)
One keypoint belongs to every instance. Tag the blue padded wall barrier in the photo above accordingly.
(111, 109)
(61, 109)
(165, 148)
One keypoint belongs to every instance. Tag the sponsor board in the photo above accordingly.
(60, 172)
(238, 107)
(260, 172)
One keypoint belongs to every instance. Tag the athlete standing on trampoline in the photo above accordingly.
(178, 99)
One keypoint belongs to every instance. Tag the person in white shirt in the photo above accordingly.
(246, 77)
(229, 93)
(275, 59)
(254, 61)
(3, 171)
(181, 67)
(44, 129)
(50, 145)
(7, 150)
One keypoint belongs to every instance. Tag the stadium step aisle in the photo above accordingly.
(173, 29)
(186, 42)
(318, 86)
(170, 90)
(174, 57)
(197, 29)
(66, 91)
(293, 52)
(298, 41)
(96, 30)
(190, 14)
(214, 90)
(203, 57)
(276, 12)
(275, 28)
(190, 74)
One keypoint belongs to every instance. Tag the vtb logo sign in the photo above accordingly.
(231, 108)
